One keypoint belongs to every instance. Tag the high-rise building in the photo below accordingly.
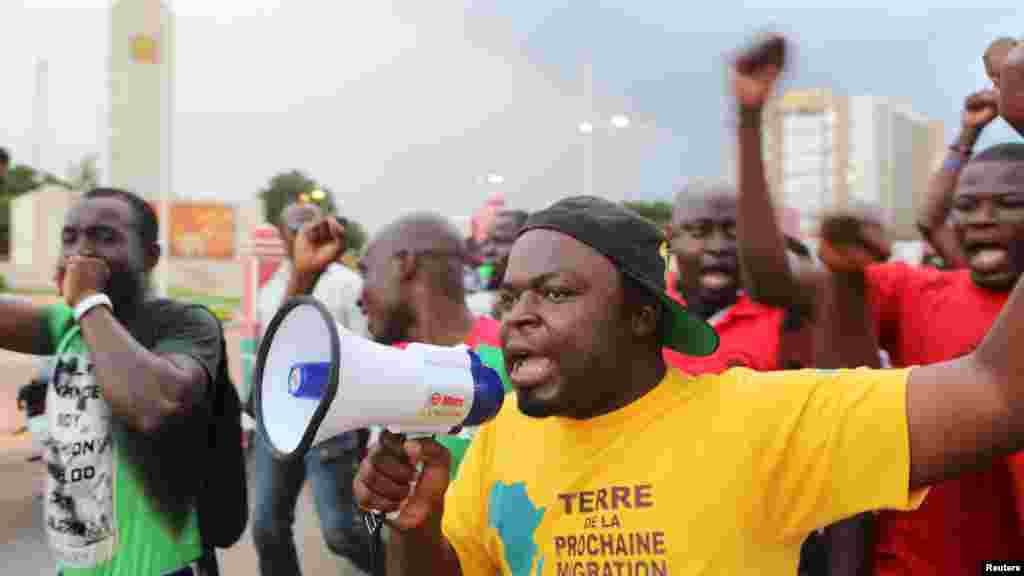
(824, 151)
(141, 97)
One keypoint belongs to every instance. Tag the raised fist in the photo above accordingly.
(853, 239)
(1011, 89)
(757, 69)
(980, 108)
(317, 244)
(388, 480)
(81, 276)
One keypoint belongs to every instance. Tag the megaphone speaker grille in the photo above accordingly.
(296, 375)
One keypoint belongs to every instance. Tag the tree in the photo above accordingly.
(288, 187)
(355, 235)
(23, 179)
(83, 175)
(657, 211)
(20, 180)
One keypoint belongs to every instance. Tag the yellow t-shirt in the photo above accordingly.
(718, 474)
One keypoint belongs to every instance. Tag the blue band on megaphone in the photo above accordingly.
(309, 379)
(488, 392)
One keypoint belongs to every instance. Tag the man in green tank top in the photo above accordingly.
(124, 451)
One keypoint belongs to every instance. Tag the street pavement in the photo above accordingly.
(23, 548)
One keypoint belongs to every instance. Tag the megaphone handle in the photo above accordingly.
(374, 519)
(419, 470)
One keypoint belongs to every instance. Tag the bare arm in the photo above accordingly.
(964, 413)
(416, 542)
(413, 551)
(936, 207)
(765, 267)
(23, 327)
(844, 331)
(979, 109)
(844, 338)
(143, 388)
(1011, 89)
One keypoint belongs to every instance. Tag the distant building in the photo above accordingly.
(823, 151)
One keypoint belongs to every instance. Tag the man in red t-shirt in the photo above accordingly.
(919, 315)
(702, 243)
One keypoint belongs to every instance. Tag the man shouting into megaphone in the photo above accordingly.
(610, 463)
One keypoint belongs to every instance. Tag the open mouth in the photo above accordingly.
(527, 369)
(717, 277)
(987, 257)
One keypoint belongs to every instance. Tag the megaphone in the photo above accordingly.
(315, 379)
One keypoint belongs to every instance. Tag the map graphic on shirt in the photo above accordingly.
(590, 497)
(79, 502)
(512, 514)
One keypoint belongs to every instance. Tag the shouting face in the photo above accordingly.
(988, 217)
(703, 241)
(499, 243)
(563, 329)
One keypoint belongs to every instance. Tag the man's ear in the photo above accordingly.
(645, 320)
(152, 255)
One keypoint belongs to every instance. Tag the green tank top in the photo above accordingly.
(98, 520)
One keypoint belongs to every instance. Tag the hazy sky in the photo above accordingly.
(394, 97)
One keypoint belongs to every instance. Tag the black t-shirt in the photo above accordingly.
(171, 460)
(173, 456)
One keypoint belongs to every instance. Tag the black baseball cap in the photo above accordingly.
(633, 244)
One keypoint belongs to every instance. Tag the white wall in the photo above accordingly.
(23, 216)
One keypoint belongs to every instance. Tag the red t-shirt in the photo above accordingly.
(749, 338)
(486, 332)
(925, 316)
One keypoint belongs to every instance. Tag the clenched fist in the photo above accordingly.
(852, 240)
(318, 244)
(980, 108)
(757, 69)
(81, 276)
(387, 479)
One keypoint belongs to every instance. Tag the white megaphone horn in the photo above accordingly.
(315, 379)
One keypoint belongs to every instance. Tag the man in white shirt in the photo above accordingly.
(311, 268)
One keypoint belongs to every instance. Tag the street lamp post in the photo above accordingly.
(588, 126)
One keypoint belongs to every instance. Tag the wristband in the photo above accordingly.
(90, 302)
(952, 164)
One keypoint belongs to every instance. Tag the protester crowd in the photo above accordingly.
(711, 397)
